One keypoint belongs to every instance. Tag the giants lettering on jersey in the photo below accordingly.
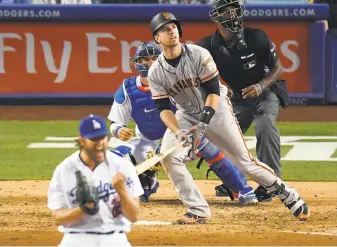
(182, 84)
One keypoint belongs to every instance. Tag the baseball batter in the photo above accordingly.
(94, 193)
(188, 74)
(134, 100)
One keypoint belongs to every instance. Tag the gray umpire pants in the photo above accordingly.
(264, 111)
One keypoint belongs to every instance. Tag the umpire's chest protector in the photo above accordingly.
(238, 67)
(144, 111)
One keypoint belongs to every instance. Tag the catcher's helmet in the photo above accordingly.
(145, 50)
(229, 13)
(163, 18)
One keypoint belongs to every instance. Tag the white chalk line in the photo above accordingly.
(139, 222)
(334, 233)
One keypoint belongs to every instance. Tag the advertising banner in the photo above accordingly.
(83, 51)
(94, 58)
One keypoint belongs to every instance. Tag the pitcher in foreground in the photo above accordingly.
(94, 193)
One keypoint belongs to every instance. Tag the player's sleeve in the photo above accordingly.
(211, 86)
(56, 195)
(133, 184)
(120, 111)
(206, 66)
(156, 84)
(266, 51)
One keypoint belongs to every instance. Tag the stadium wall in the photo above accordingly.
(78, 54)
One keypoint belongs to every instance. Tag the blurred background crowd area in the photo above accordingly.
(332, 19)
(160, 1)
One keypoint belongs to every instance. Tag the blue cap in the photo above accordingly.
(93, 126)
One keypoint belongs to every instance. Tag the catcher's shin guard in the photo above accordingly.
(222, 166)
(149, 184)
(291, 199)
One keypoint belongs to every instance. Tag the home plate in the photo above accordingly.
(150, 222)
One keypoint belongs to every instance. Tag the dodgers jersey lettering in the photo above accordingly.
(183, 82)
(62, 192)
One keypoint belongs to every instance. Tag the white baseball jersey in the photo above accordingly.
(62, 192)
(183, 82)
(121, 113)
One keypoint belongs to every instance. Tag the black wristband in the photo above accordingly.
(207, 114)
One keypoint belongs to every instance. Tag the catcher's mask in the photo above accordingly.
(144, 53)
(229, 13)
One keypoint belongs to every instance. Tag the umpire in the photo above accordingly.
(248, 63)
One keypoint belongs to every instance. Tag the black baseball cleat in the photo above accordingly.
(224, 191)
(263, 195)
(190, 218)
(221, 191)
(143, 198)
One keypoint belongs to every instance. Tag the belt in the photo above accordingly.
(96, 233)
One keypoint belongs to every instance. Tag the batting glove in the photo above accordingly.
(183, 138)
(197, 132)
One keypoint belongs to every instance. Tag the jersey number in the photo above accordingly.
(116, 207)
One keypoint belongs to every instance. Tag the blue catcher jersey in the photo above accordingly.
(143, 110)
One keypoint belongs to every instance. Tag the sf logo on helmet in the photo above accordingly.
(166, 15)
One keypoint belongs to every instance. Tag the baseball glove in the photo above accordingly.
(157, 167)
(86, 195)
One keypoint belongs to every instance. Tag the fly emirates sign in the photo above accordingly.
(79, 61)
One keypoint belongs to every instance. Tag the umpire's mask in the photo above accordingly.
(229, 13)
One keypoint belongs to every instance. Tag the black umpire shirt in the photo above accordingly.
(244, 67)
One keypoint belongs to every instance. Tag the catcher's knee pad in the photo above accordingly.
(223, 167)
(208, 151)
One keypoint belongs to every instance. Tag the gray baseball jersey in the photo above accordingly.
(183, 85)
(183, 82)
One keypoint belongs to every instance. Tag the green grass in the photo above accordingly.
(292, 171)
(317, 140)
(304, 129)
(19, 163)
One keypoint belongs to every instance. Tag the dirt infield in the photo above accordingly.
(25, 219)
(292, 113)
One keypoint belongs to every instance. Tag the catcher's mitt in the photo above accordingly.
(157, 167)
(86, 195)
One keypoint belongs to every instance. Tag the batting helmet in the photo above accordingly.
(163, 18)
(145, 50)
(229, 13)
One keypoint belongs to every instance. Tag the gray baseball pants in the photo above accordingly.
(224, 131)
(264, 111)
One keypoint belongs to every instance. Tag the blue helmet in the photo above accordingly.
(145, 50)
